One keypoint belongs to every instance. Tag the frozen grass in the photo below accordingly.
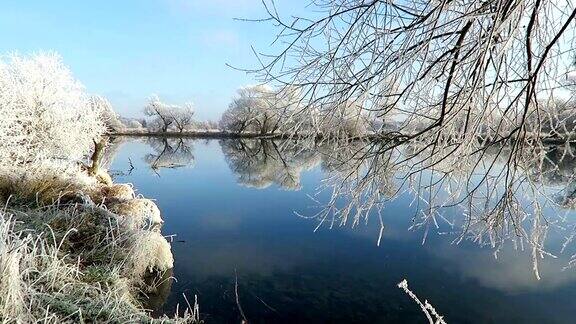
(75, 248)
(122, 191)
(44, 182)
(74, 264)
(139, 212)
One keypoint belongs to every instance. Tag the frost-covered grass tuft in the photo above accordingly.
(11, 287)
(150, 252)
(139, 212)
(44, 182)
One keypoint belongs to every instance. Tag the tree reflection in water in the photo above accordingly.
(483, 199)
(169, 152)
(261, 163)
(489, 199)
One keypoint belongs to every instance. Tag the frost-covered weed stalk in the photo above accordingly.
(431, 314)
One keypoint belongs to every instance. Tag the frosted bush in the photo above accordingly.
(45, 112)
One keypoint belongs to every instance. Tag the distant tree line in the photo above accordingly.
(159, 117)
(262, 110)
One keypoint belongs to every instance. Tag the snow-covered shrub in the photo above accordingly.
(131, 123)
(47, 125)
(45, 112)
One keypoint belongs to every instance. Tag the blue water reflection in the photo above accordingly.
(233, 224)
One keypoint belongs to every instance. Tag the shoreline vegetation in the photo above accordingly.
(74, 245)
(544, 138)
(90, 253)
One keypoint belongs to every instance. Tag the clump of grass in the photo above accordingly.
(11, 288)
(139, 212)
(150, 252)
(115, 192)
(44, 183)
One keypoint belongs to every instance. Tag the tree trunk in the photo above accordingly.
(96, 157)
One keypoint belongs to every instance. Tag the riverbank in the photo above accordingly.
(76, 248)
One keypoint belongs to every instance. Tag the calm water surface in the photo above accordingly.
(236, 224)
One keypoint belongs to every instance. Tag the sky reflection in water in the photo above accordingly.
(231, 223)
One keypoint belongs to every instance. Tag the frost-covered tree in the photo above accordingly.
(346, 120)
(183, 117)
(44, 111)
(133, 124)
(261, 109)
(466, 85)
(206, 125)
(472, 74)
(256, 109)
(555, 117)
(165, 116)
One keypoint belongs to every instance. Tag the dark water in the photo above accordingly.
(237, 223)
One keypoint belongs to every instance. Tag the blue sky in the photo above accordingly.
(127, 50)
